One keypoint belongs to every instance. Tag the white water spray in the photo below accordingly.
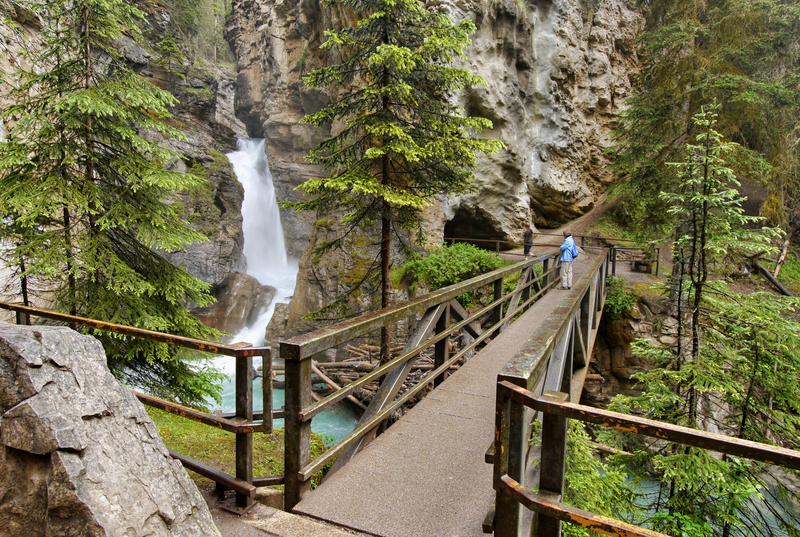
(264, 246)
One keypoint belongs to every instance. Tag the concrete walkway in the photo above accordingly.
(426, 475)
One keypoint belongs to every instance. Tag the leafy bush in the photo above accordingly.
(619, 300)
(449, 265)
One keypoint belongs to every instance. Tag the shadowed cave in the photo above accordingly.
(475, 227)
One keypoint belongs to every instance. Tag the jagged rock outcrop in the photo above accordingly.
(557, 72)
(205, 113)
(79, 455)
(240, 300)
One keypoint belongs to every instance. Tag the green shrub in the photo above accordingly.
(619, 300)
(449, 265)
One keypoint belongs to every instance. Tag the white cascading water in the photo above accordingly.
(267, 261)
(264, 246)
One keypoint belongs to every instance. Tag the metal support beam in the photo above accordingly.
(442, 348)
(553, 466)
(244, 411)
(297, 438)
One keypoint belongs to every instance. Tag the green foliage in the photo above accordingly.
(745, 55)
(217, 448)
(449, 265)
(591, 484)
(204, 23)
(733, 352)
(790, 272)
(86, 198)
(402, 141)
(619, 300)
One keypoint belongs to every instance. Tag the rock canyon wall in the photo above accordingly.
(557, 72)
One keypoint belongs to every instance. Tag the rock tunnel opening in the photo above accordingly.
(475, 227)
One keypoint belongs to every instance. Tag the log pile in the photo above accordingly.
(328, 377)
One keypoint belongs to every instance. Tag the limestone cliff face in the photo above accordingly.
(557, 72)
(205, 114)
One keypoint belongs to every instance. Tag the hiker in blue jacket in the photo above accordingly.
(568, 253)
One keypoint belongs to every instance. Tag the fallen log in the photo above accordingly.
(784, 291)
(335, 386)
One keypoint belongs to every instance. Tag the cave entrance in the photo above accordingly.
(474, 227)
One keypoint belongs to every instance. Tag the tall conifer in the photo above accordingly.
(86, 193)
(402, 141)
(733, 369)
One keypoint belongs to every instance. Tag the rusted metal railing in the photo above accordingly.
(555, 358)
(556, 411)
(243, 423)
(441, 316)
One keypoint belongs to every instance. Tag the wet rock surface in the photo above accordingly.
(240, 301)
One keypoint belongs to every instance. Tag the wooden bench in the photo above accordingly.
(640, 262)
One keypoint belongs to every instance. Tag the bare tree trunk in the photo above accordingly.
(784, 251)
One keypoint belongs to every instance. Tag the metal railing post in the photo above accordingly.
(266, 390)
(614, 260)
(545, 275)
(23, 318)
(244, 411)
(297, 436)
(509, 459)
(553, 466)
(497, 312)
(442, 348)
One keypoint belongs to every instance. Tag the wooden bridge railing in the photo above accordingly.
(556, 410)
(543, 377)
(243, 423)
(557, 351)
(441, 316)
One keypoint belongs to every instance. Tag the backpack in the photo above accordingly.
(574, 251)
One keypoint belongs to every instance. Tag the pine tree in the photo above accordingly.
(402, 141)
(734, 367)
(86, 194)
(745, 54)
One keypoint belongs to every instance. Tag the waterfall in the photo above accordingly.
(267, 261)
(264, 245)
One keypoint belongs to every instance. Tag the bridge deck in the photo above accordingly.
(426, 475)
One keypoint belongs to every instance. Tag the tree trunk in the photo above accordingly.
(784, 251)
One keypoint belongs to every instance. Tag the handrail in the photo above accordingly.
(242, 424)
(549, 505)
(298, 352)
(303, 346)
(558, 350)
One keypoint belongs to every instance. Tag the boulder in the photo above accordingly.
(240, 301)
(79, 454)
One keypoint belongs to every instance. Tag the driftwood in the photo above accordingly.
(335, 386)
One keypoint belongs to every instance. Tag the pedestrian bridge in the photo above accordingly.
(433, 471)
(458, 463)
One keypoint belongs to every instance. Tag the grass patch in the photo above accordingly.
(217, 448)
